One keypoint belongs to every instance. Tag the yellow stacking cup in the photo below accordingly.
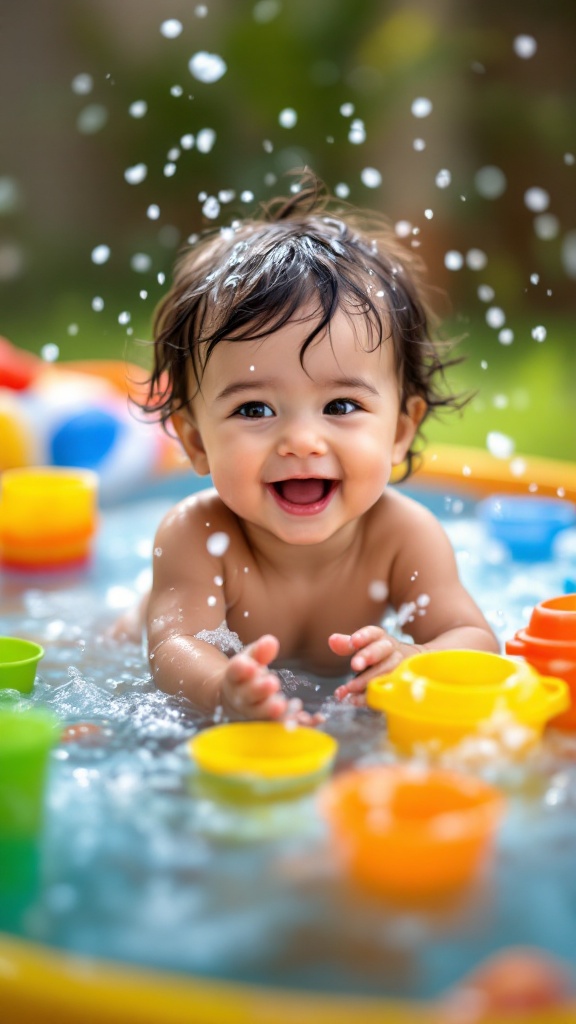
(47, 517)
(440, 697)
(262, 760)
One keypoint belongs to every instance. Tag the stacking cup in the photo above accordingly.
(18, 662)
(548, 643)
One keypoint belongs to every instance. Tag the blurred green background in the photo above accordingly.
(110, 137)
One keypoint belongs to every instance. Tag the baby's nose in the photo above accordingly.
(302, 438)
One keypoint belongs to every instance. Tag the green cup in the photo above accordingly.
(18, 661)
(26, 738)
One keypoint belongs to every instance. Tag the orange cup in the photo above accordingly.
(549, 644)
(411, 834)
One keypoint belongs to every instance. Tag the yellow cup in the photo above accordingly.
(48, 517)
(441, 697)
(264, 760)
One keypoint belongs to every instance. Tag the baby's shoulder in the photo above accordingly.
(199, 515)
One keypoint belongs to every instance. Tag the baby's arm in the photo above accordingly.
(184, 600)
(439, 612)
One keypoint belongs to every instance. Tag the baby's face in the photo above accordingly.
(300, 452)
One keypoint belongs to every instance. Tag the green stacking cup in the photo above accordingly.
(18, 662)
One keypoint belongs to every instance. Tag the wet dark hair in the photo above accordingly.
(246, 281)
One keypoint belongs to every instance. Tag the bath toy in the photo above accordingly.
(81, 732)
(527, 526)
(549, 643)
(18, 663)
(47, 518)
(411, 833)
(263, 759)
(440, 697)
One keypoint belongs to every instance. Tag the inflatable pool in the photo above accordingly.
(150, 900)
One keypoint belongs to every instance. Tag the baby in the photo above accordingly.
(293, 358)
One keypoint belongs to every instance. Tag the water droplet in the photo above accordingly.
(72, 330)
(546, 226)
(153, 211)
(490, 182)
(266, 10)
(539, 333)
(428, 214)
(92, 119)
(500, 445)
(49, 352)
(483, 364)
(287, 118)
(569, 159)
(342, 190)
(500, 401)
(138, 109)
(443, 178)
(495, 317)
(485, 293)
(100, 254)
(423, 600)
(347, 109)
(403, 228)
(201, 11)
(371, 177)
(169, 170)
(357, 133)
(161, 278)
(134, 175)
(506, 336)
(176, 90)
(82, 84)
(568, 253)
(453, 260)
(246, 614)
(187, 141)
(124, 317)
(421, 107)
(525, 46)
(97, 304)
(211, 207)
(157, 552)
(141, 262)
(207, 67)
(171, 28)
(246, 196)
(217, 543)
(205, 140)
(419, 145)
(377, 590)
(218, 581)
(211, 600)
(476, 259)
(536, 199)
(143, 293)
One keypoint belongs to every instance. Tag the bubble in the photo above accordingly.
(176, 90)
(124, 317)
(138, 109)
(525, 46)
(171, 28)
(205, 140)
(97, 304)
(153, 212)
(342, 190)
(82, 84)
(92, 119)
(421, 107)
(506, 336)
(143, 293)
(485, 293)
(10, 196)
(403, 228)
(546, 226)
(453, 260)
(136, 174)
(495, 317)
(419, 145)
(443, 178)
(100, 254)
(357, 133)
(161, 278)
(537, 199)
(377, 590)
(569, 159)
(217, 544)
(428, 214)
(490, 182)
(500, 445)
(246, 196)
(187, 141)
(266, 10)
(518, 466)
(568, 254)
(371, 177)
(141, 262)
(347, 109)
(287, 118)
(201, 11)
(476, 259)
(534, 278)
(50, 352)
(211, 207)
(539, 333)
(169, 170)
(500, 401)
(207, 67)
(73, 330)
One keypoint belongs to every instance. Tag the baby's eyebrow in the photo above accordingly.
(239, 386)
(353, 383)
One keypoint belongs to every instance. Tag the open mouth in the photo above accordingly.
(311, 494)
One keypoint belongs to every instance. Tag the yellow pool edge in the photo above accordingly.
(38, 983)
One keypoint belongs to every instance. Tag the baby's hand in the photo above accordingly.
(249, 688)
(373, 652)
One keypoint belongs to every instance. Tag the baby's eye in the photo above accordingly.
(340, 407)
(254, 410)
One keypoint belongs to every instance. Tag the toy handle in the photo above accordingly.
(557, 694)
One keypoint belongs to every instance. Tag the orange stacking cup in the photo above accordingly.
(549, 644)
(47, 517)
(410, 833)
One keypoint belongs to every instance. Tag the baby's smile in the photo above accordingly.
(303, 496)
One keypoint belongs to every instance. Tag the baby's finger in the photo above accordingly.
(367, 635)
(372, 654)
(264, 649)
(339, 643)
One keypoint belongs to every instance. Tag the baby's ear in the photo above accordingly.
(408, 423)
(191, 442)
